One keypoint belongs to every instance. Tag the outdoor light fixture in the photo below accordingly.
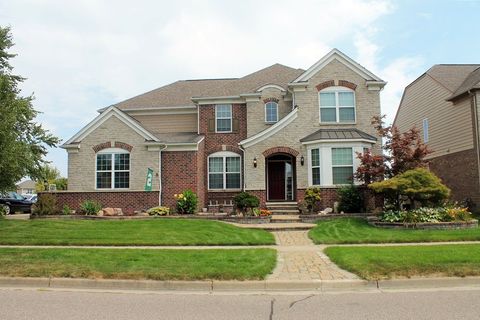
(302, 160)
(254, 162)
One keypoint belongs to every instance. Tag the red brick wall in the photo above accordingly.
(215, 142)
(129, 201)
(459, 172)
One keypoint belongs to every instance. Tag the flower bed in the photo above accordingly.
(473, 223)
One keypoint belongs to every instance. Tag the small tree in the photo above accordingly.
(403, 151)
(418, 185)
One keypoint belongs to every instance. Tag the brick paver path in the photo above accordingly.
(300, 259)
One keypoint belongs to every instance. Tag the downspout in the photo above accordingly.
(244, 166)
(475, 114)
(160, 175)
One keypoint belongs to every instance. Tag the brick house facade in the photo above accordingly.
(273, 133)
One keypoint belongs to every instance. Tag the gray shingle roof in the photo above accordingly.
(180, 93)
(338, 134)
(471, 82)
(451, 76)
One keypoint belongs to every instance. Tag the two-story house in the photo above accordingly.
(444, 104)
(272, 133)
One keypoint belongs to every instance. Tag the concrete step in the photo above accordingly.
(285, 219)
(281, 203)
(284, 211)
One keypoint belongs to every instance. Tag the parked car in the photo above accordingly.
(29, 196)
(13, 202)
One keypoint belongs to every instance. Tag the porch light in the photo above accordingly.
(302, 160)
(254, 162)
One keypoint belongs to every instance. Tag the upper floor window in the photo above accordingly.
(337, 104)
(112, 169)
(224, 171)
(223, 118)
(271, 112)
(425, 130)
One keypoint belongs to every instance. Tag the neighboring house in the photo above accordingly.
(26, 187)
(444, 104)
(272, 133)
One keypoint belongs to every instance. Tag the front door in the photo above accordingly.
(276, 180)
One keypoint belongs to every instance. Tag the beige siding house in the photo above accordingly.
(443, 104)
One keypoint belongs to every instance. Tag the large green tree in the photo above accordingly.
(23, 142)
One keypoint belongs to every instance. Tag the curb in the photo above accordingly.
(242, 286)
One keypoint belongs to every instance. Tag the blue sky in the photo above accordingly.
(84, 55)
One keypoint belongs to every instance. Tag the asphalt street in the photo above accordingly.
(46, 304)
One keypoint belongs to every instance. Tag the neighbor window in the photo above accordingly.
(342, 165)
(224, 171)
(425, 130)
(223, 117)
(337, 105)
(315, 166)
(271, 112)
(113, 170)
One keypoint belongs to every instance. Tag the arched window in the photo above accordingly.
(337, 104)
(112, 169)
(271, 112)
(224, 171)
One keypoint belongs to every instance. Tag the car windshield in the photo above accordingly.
(14, 195)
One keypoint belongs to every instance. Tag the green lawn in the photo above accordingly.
(352, 230)
(406, 261)
(129, 232)
(234, 264)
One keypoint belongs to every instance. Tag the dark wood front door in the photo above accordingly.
(276, 180)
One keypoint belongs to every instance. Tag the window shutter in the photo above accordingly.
(211, 125)
(235, 125)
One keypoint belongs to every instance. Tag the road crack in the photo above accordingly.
(296, 301)
(271, 308)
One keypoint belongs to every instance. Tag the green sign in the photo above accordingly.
(149, 180)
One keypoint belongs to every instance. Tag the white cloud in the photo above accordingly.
(83, 55)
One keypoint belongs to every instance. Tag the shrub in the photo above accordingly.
(245, 201)
(2, 211)
(186, 202)
(418, 185)
(45, 205)
(312, 198)
(66, 210)
(430, 215)
(159, 211)
(350, 199)
(90, 207)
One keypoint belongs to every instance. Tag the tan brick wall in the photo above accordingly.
(81, 165)
(307, 122)
(256, 110)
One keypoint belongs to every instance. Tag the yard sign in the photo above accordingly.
(149, 181)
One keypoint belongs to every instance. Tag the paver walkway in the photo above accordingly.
(299, 259)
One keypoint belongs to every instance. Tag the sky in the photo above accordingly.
(80, 56)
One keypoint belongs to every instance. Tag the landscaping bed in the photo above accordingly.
(155, 232)
(357, 230)
(235, 264)
(426, 225)
(375, 263)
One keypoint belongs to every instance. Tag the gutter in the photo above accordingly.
(475, 116)
(244, 166)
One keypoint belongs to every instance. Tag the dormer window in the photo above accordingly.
(271, 112)
(337, 105)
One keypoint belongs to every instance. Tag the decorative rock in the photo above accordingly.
(142, 214)
(328, 210)
(118, 211)
(108, 212)
(100, 213)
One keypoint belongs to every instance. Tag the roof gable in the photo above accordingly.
(451, 76)
(104, 116)
(336, 54)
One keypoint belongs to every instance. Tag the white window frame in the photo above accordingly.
(425, 126)
(276, 109)
(326, 171)
(337, 107)
(224, 155)
(113, 152)
(342, 165)
(223, 118)
(310, 157)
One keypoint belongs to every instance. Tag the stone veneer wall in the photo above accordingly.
(459, 172)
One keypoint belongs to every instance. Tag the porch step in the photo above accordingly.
(278, 208)
(291, 218)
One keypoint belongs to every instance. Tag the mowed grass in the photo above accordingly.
(375, 263)
(165, 264)
(129, 232)
(355, 230)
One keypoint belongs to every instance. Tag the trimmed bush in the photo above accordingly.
(245, 202)
(350, 199)
(159, 211)
(312, 198)
(45, 205)
(90, 207)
